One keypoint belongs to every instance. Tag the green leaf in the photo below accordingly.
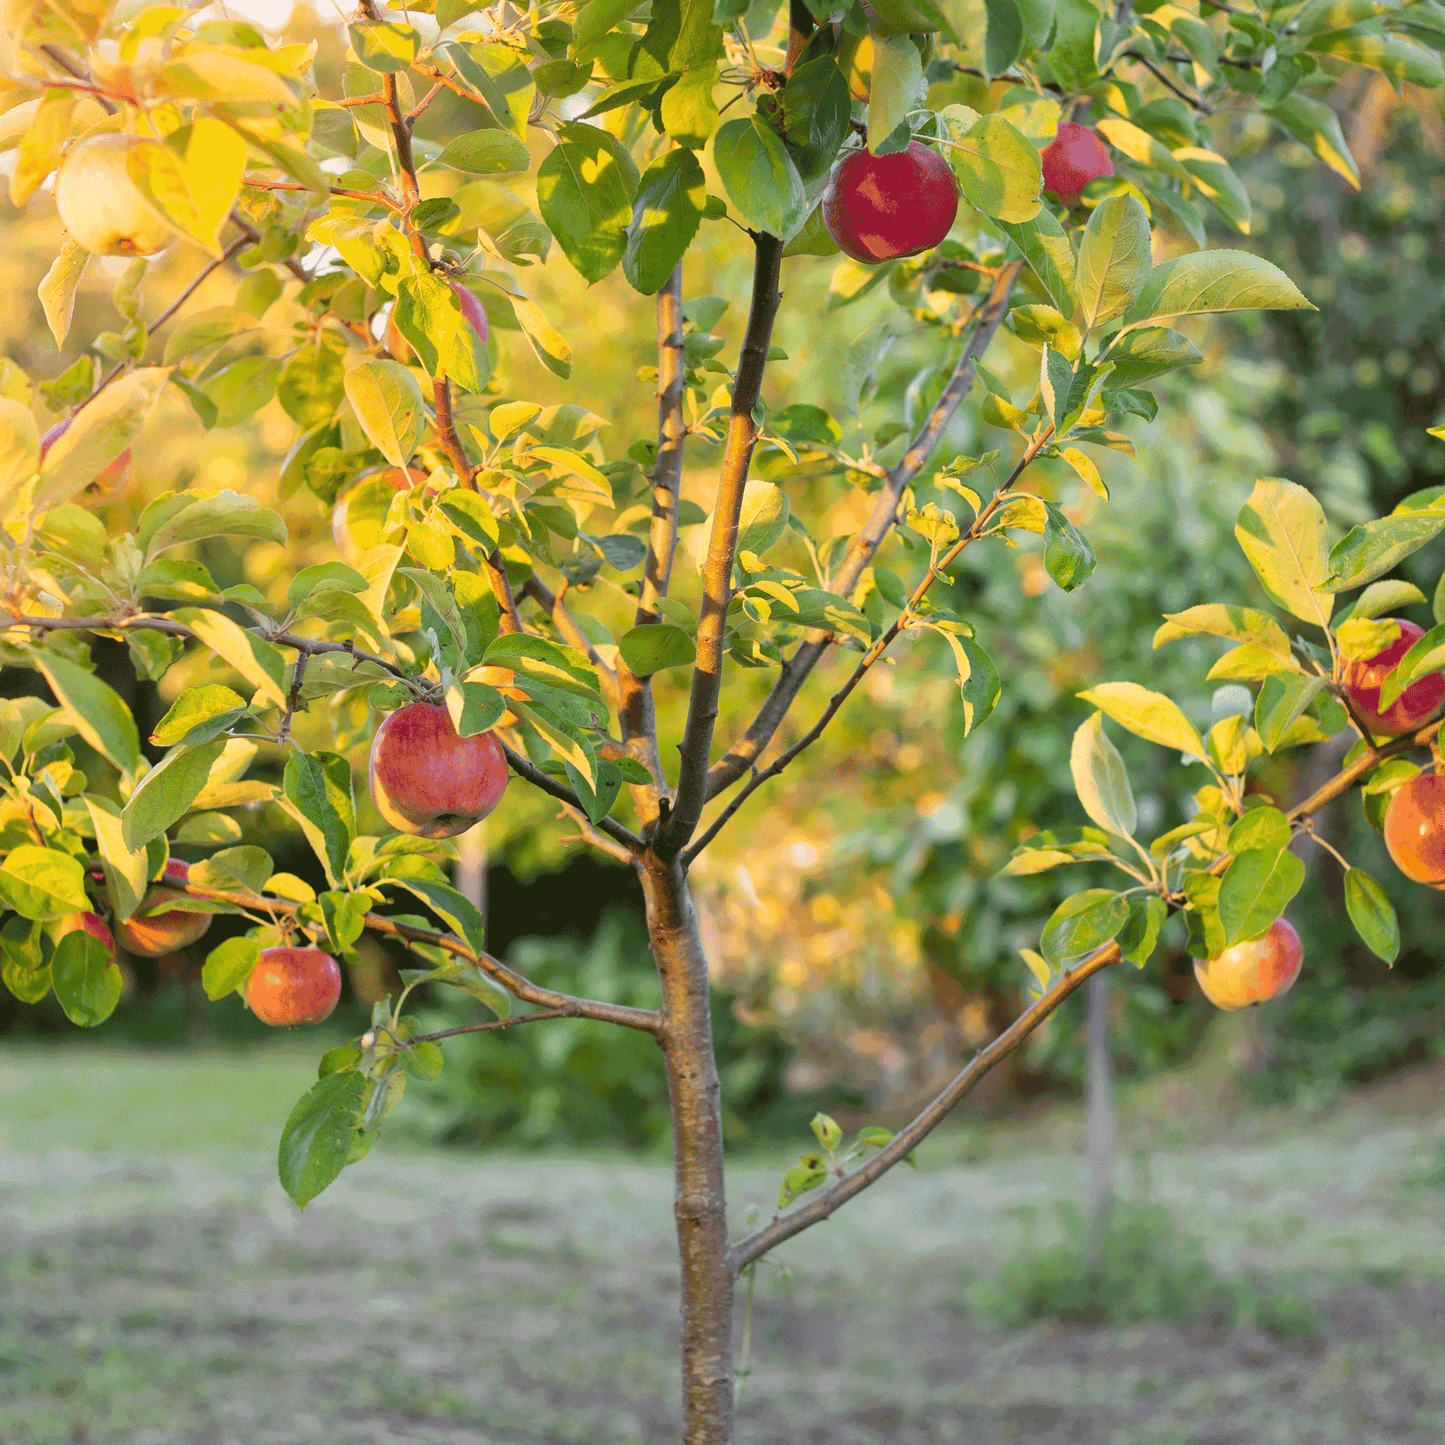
(1317, 125)
(759, 176)
(428, 313)
(547, 343)
(385, 45)
(423, 1060)
(893, 91)
(654, 647)
(474, 707)
(1146, 714)
(1220, 619)
(535, 659)
(1003, 40)
(1282, 531)
(486, 153)
(1281, 701)
(126, 870)
(584, 192)
(1140, 935)
(100, 431)
(1426, 655)
(1069, 559)
(1100, 779)
(1394, 55)
(261, 663)
(1265, 828)
(241, 389)
(1114, 259)
(999, 173)
(25, 959)
(688, 111)
(1256, 888)
(166, 793)
(1142, 355)
(329, 577)
(1073, 47)
(666, 213)
(312, 383)
(228, 967)
(500, 76)
(1212, 281)
(316, 1142)
(455, 909)
(179, 517)
(388, 404)
(1373, 915)
(1382, 597)
(978, 680)
(247, 867)
(802, 1177)
(762, 519)
(42, 883)
(318, 787)
(827, 1131)
(1050, 255)
(86, 979)
(94, 708)
(1374, 548)
(1081, 924)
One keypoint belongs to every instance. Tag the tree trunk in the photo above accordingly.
(700, 1202)
(1099, 1100)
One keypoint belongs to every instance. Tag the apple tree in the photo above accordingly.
(504, 590)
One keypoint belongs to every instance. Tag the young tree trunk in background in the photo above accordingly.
(700, 1200)
(1099, 1105)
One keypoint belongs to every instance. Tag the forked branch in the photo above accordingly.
(748, 748)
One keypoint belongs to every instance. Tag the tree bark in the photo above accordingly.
(1099, 1101)
(700, 1199)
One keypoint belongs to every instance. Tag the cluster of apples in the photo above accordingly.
(877, 208)
(1263, 968)
(289, 985)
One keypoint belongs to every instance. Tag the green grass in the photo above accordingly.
(157, 1288)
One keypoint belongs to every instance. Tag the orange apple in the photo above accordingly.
(1254, 970)
(292, 986)
(1415, 829)
(428, 781)
(166, 931)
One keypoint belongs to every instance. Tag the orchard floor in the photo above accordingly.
(157, 1288)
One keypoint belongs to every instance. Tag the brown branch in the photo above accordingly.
(677, 828)
(145, 622)
(742, 755)
(903, 1143)
(293, 698)
(551, 1013)
(511, 619)
(376, 198)
(531, 773)
(1162, 77)
(637, 714)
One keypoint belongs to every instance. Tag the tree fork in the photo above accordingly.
(700, 1192)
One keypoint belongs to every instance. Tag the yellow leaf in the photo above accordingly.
(39, 152)
(57, 290)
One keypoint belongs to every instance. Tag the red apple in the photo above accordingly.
(1415, 829)
(164, 932)
(1075, 157)
(293, 986)
(113, 473)
(428, 781)
(1415, 706)
(1252, 971)
(473, 310)
(879, 207)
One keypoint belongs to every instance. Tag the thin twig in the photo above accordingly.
(1201, 106)
(524, 768)
(551, 1013)
(909, 611)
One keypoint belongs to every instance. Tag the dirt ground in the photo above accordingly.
(157, 1288)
